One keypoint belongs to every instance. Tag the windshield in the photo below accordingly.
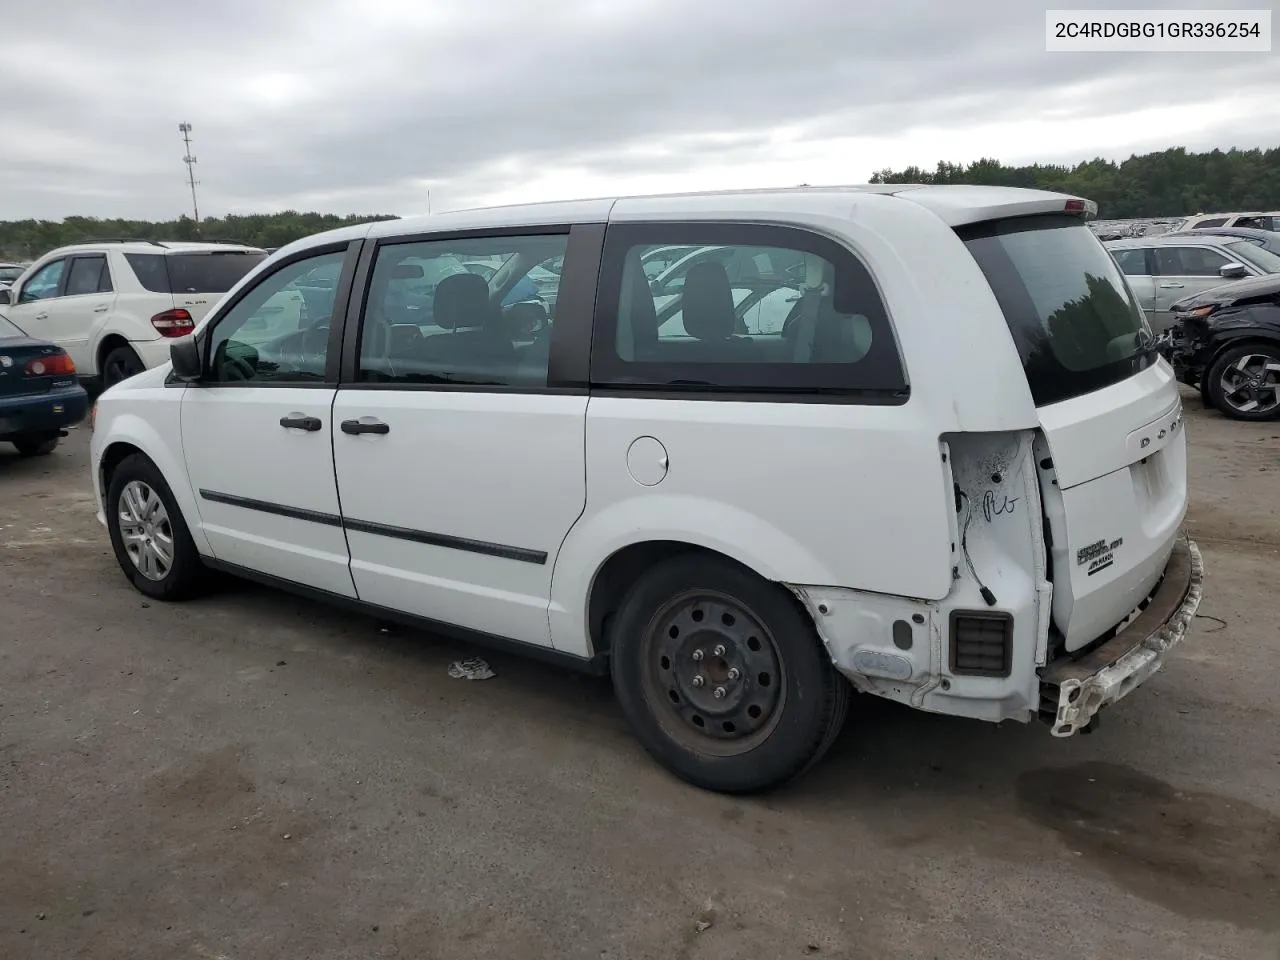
(9, 329)
(1248, 252)
(192, 272)
(1074, 320)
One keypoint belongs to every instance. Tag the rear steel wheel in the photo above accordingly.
(715, 672)
(722, 675)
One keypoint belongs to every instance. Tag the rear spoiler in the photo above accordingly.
(959, 206)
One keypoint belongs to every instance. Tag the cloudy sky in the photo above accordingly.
(364, 106)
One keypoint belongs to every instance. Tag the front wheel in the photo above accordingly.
(723, 677)
(120, 364)
(1244, 382)
(148, 533)
(36, 446)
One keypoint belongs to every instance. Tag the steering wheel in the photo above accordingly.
(233, 369)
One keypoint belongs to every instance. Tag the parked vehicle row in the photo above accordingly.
(1265, 220)
(1268, 240)
(763, 449)
(1226, 341)
(1163, 269)
(10, 272)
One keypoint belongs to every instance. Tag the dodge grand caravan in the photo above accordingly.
(952, 473)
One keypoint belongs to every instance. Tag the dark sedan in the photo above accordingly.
(1226, 341)
(39, 394)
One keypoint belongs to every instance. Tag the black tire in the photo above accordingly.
(180, 577)
(1260, 386)
(721, 744)
(37, 446)
(119, 364)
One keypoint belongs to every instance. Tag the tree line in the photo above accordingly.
(1171, 183)
(28, 239)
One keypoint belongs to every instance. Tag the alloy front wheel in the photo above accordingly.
(146, 531)
(1244, 383)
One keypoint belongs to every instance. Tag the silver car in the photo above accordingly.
(10, 272)
(1163, 269)
(1268, 240)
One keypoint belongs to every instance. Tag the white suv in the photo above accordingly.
(952, 475)
(115, 306)
(1255, 221)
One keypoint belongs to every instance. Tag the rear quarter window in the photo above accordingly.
(1072, 316)
(741, 309)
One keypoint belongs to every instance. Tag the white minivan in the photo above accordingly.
(952, 474)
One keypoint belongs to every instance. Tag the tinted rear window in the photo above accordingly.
(1074, 320)
(192, 272)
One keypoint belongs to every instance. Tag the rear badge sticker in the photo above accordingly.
(1098, 555)
(6, 360)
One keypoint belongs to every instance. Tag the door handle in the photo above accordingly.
(43, 316)
(301, 422)
(1171, 286)
(102, 309)
(354, 427)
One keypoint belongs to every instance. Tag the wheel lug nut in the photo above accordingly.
(734, 673)
(698, 680)
(697, 655)
(719, 650)
(720, 693)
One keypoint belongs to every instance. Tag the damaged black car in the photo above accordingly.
(1226, 341)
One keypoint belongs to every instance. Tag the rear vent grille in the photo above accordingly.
(981, 643)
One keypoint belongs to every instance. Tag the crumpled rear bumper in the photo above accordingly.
(1112, 670)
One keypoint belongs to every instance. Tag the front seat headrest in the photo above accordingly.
(462, 300)
(708, 302)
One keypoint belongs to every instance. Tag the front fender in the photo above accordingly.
(711, 524)
(159, 437)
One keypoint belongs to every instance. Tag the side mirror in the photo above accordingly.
(1232, 271)
(6, 296)
(185, 354)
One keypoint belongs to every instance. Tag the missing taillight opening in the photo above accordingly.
(50, 365)
(173, 323)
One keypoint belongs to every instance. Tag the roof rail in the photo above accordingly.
(156, 243)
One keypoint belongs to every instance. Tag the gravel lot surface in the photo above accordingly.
(252, 776)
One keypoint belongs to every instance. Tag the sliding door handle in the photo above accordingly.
(355, 427)
(298, 421)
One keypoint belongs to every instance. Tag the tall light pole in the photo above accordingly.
(190, 161)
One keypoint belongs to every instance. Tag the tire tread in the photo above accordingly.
(786, 754)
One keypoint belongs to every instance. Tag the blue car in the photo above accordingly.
(39, 393)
